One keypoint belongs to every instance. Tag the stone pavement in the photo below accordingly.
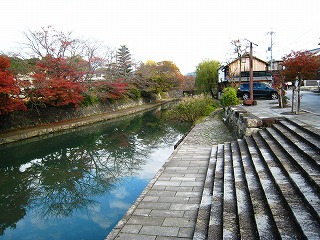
(168, 207)
(270, 109)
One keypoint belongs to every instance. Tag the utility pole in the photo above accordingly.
(250, 102)
(270, 49)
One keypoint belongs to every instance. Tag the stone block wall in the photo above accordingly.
(48, 115)
(241, 122)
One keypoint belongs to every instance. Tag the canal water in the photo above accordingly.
(79, 184)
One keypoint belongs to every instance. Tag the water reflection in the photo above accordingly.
(82, 178)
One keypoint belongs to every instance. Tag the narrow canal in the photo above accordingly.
(78, 185)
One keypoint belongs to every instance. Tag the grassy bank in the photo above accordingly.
(191, 109)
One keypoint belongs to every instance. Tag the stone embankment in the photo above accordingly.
(46, 129)
(243, 123)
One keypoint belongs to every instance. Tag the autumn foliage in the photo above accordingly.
(303, 63)
(62, 70)
(110, 90)
(9, 91)
(56, 83)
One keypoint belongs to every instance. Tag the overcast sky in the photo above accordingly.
(183, 31)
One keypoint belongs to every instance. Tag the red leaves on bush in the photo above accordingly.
(57, 92)
(110, 90)
(9, 91)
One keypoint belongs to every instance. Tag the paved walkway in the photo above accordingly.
(270, 108)
(167, 209)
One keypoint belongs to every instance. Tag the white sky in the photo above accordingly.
(183, 31)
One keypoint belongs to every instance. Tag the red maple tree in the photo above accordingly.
(110, 90)
(57, 83)
(303, 63)
(9, 91)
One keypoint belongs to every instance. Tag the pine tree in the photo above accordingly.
(124, 62)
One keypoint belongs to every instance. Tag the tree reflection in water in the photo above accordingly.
(63, 175)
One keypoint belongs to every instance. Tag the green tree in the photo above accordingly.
(229, 97)
(124, 61)
(207, 76)
(159, 77)
(22, 66)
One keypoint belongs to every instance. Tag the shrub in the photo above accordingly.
(89, 100)
(191, 109)
(229, 97)
(134, 93)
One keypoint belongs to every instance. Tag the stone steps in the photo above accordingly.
(266, 186)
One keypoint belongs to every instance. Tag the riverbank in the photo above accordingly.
(45, 129)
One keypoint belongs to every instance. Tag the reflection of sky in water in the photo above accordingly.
(151, 167)
(93, 224)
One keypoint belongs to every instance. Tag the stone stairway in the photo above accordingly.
(266, 186)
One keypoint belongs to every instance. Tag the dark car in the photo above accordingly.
(259, 90)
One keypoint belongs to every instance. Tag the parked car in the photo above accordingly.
(259, 90)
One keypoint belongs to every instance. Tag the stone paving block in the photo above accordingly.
(179, 189)
(195, 169)
(170, 238)
(131, 228)
(200, 179)
(159, 230)
(166, 193)
(194, 200)
(142, 212)
(150, 199)
(186, 232)
(174, 199)
(168, 183)
(190, 214)
(197, 184)
(126, 236)
(179, 163)
(184, 206)
(164, 178)
(188, 194)
(171, 174)
(176, 168)
(179, 222)
(150, 205)
(143, 220)
(166, 213)
(158, 188)
(194, 175)
(197, 189)
(183, 179)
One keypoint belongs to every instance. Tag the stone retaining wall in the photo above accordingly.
(241, 122)
(47, 129)
(50, 115)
